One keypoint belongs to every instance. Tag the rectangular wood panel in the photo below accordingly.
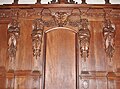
(60, 60)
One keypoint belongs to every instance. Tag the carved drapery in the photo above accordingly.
(109, 38)
(84, 38)
(37, 33)
(13, 31)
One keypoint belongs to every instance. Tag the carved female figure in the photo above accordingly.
(84, 38)
(36, 41)
(109, 35)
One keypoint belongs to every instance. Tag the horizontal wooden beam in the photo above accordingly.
(28, 6)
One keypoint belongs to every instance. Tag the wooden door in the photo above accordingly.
(60, 62)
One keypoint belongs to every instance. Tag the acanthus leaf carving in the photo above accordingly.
(13, 31)
(84, 38)
(37, 34)
(109, 38)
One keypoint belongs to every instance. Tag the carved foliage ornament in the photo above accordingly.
(37, 33)
(109, 38)
(61, 18)
(84, 38)
(13, 31)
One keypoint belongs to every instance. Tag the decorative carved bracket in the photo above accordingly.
(13, 31)
(109, 38)
(84, 38)
(37, 33)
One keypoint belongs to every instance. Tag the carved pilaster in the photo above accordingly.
(84, 38)
(10, 80)
(13, 32)
(37, 33)
(109, 38)
(36, 80)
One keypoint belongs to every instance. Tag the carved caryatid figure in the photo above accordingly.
(109, 38)
(37, 34)
(84, 38)
(13, 31)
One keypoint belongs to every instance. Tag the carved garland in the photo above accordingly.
(84, 38)
(37, 34)
(109, 38)
(13, 31)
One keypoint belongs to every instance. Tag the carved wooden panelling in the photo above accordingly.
(59, 46)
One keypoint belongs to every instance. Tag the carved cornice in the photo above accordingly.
(31, 13)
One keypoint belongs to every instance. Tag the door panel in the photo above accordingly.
(60, 70)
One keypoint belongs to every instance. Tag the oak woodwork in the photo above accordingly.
(60, 45)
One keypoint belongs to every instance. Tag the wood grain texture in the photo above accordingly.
(60, 48)
(60, 70)
(3, 44)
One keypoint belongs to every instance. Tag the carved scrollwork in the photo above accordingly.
(13, 31)
(37, 34)
(84, 38)
(109, 38)
(60, 18)
(85, 84)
